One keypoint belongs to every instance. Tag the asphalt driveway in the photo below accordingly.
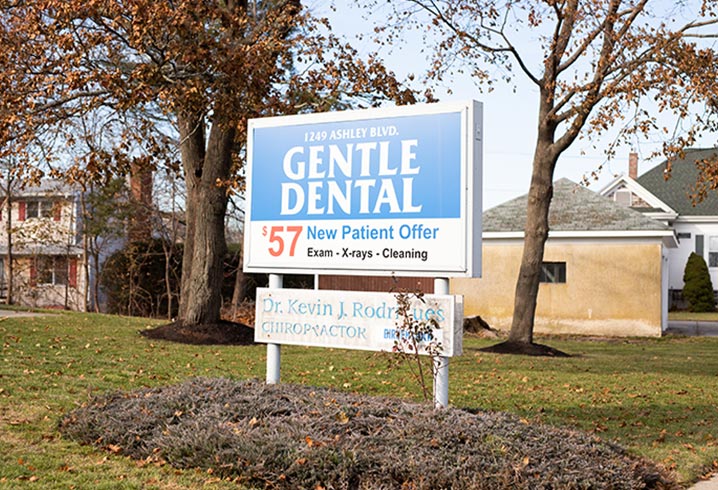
(693, 328)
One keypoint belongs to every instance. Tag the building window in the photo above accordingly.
(683, 236)
(553, 272)
(41, 209)
(51, 270)
(699, 245)
(713, 251)
(32, 209)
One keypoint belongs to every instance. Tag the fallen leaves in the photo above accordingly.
(30, 468)
(31, 478)
(114, 448)
(342, 418)
(312, 443)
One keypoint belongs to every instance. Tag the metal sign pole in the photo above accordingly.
(274, 354)
(441, 363)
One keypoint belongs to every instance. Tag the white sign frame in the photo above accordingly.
(400, 244)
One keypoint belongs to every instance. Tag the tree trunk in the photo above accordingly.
(167, 250)
(201, 297)
(96, 282)
(9, 254)
(192, 151)
(66, 306)
(86, 259)
(536, 229)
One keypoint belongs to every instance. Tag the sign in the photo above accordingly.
(352, 320)
(376, 192)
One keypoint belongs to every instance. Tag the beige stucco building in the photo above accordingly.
(604, 273)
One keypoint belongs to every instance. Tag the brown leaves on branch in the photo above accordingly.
(61, 60)
(115, 76)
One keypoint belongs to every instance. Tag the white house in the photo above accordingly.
(668, 198)
(46, 251)
(43, 228)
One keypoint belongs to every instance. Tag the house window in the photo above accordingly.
(40, 209)
(699, 245)
(683, 236)
(713, 251)
(553, 272)
(51, 270)
(32, 209)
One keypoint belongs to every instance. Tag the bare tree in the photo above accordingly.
(591, 61)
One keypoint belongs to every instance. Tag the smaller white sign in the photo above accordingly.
(353, 320)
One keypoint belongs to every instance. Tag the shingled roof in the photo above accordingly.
(46, 188)
(677, 189)
(573, 208)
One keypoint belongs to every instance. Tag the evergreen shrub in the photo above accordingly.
(697, 288)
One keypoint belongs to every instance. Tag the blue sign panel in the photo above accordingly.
(374, 192)
(365, 169)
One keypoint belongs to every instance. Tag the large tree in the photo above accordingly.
(206, 65)
(592, 63)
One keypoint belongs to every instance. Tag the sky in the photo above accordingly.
(510, 117)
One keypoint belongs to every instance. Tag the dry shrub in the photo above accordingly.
(298, 437)
(242, 313)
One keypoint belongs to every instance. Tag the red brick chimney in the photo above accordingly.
(141, 196)
(633, 165)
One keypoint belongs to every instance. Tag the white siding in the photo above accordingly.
(678, 257)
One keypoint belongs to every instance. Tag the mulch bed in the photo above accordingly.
(524, 349)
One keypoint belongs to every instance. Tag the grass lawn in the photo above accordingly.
(656, 397)
(695, 317)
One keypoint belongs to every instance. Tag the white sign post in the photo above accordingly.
(372, 192)
(274, 354)
(441, 362)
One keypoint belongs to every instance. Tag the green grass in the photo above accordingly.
(656, 397)
(690, 316)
